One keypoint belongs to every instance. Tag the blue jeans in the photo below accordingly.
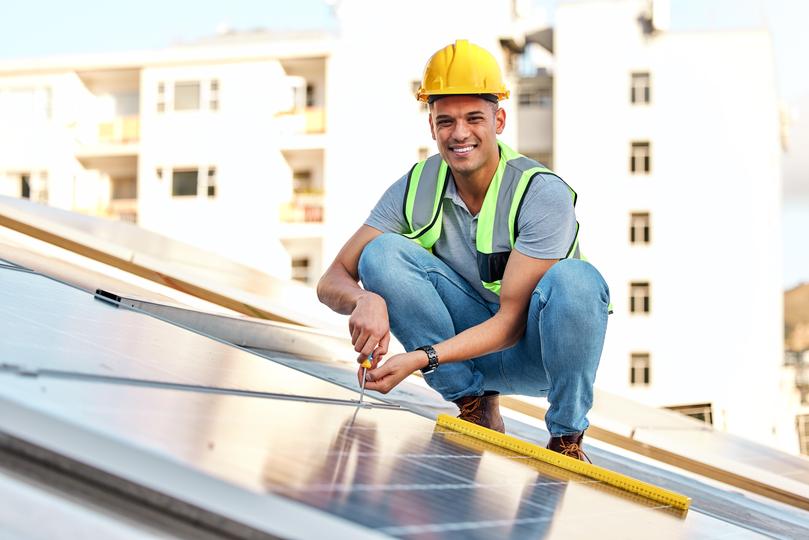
(557, 356)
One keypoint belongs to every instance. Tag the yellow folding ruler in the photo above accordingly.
(627, 483)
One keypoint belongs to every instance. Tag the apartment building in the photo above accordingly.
(673, 141)
(271, 148)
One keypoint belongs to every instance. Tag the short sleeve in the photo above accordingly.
(387, 215)
(546, 223)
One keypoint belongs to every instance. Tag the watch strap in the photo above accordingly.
(432, 359)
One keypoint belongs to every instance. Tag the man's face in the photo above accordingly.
(466, 129)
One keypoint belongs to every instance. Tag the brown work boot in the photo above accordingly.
(569, 445)
(482, 410)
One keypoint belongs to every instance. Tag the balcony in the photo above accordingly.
(117, 137)
(303, 208)
(121, 130)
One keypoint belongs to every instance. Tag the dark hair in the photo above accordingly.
(487, 97)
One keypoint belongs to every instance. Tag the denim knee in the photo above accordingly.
(377, 260)
(575, 281)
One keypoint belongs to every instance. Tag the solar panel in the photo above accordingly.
(389, 471)
(49, 327)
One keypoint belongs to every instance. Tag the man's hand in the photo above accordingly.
(369, 327)
(385, 377)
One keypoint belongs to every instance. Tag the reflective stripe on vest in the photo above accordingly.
(497, 229)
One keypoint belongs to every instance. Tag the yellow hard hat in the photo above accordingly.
(462, 68)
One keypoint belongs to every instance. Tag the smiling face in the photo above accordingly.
(465, 129)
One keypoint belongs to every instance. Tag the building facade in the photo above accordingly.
(271, 149)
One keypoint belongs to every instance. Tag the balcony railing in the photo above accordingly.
(303, 208)
(308, 120)
(121, 130)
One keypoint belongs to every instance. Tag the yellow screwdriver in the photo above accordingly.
(365, 365)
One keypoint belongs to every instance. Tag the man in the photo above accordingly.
(499, 301)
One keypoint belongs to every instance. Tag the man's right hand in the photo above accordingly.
(369, 327)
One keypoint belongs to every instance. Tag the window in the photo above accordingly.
(161, 97)
(310, 95)
(184, 182)
(640, 89)
(639, 228)
(639, 297)
(25, 186)
(639, 369)
(302, 181)
(700, 411)
(124, 188)
(211, 181)
(802, 422)
(213, 96)
(640, 158)
(540, 97)
(300, 269)
(186, 96)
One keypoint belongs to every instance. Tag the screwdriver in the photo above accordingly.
(365, 365)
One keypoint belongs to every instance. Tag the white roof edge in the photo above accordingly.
(180, 54)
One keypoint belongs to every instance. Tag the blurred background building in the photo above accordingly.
(270, 148)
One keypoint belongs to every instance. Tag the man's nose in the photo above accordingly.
(461, 131)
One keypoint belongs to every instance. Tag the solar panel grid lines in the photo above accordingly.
(49, 326)
(388, 473)
(406, 473)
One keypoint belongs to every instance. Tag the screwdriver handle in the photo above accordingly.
(366, 363)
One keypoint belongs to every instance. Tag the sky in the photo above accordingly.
(35, 28)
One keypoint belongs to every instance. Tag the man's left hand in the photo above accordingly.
(385, 377)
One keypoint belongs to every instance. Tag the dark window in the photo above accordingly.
(184, 183)
(639, 301)
(212, 182)
(25, 186)
(640, 161)
(310, 95)
(302, 181)
(640, 88)
(300, 269)
(639, 228)
(700, 411)
(639, 369)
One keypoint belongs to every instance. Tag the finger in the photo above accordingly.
(362, 343)
(384, 343)
(355, 334)
(369, 347)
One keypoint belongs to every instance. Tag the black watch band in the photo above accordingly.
(432, 359)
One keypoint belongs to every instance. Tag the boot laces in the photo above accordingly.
(572, 449)
(472, 410)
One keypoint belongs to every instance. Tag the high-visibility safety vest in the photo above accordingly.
(497, 221)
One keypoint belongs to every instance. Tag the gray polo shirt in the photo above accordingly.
(547, 225)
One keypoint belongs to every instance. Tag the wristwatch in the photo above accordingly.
(432, 359)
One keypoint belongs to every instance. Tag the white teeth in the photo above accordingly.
(463, 149)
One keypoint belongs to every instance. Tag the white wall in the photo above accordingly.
(240, 140)
(715, 328)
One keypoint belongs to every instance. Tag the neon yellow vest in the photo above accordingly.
(497, 221)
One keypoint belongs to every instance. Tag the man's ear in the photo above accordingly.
(432, 127)
(500, 121)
